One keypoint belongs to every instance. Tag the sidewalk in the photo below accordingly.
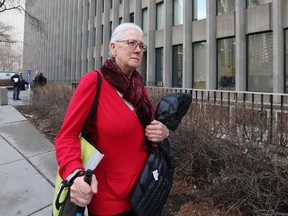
(27, 164)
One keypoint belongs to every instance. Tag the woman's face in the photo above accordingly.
(128, 52)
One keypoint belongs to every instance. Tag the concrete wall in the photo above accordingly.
(63, 54)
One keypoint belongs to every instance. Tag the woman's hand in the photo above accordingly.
(81, 193)
(156, 131)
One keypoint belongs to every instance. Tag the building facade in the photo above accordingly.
(236, 45)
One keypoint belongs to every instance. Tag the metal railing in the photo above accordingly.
(262, 100)
(271, 107)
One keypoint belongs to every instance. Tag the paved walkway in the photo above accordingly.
(27, 164)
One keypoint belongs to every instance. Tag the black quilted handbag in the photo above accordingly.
(151, 191)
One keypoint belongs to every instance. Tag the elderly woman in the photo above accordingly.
(124, 128)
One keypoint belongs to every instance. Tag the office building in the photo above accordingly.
(238, 45)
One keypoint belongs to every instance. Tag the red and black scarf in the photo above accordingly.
(133, 90)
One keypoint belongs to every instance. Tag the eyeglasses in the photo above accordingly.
(133, 44)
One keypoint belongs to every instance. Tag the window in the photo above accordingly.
(87, 36)
(159, 16)
(145, 20)
(177, 65)
(178, 12)
(144, 68)
(199, 9)
(102, 34)
(225, 6)
(111, 29)
(85, 66)
(159, 67)
(95, 9)
(131, 17)
(260, 62)
(286, 60)
(226, 64)
(199, 65)
(255, 3)
(94, 37)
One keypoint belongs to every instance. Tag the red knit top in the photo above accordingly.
(118, 134)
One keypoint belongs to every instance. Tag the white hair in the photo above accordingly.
(120, 29)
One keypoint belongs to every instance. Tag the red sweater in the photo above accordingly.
(118, 135)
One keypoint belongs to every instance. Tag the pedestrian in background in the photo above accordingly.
(40, 80)
(18, 82)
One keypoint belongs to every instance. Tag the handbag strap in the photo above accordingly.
(94, 105)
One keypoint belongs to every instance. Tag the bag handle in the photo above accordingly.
(94, 106)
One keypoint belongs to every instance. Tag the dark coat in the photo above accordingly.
(40, 80)
(152, 189)
(18, 81)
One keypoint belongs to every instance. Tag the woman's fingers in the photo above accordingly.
(156, 131)
(81, 193)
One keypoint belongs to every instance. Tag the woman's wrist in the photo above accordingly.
(167, 133)
(76, 173)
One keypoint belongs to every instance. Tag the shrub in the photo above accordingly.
(220, 153)
(52, 100)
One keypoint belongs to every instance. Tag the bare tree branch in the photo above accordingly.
(2, 5)
(7, 5)
(10, 57)
(5, 37)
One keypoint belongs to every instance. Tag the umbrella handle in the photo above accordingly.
(87, 179)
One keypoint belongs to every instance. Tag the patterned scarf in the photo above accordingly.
(132, 90)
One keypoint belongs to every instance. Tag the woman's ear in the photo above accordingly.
(113, 49)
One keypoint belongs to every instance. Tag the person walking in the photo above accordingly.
(18, 82)
(40, 80)
(124, 128)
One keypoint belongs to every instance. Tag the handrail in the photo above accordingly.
(214, 90)
(262, 99)
(272, 106)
